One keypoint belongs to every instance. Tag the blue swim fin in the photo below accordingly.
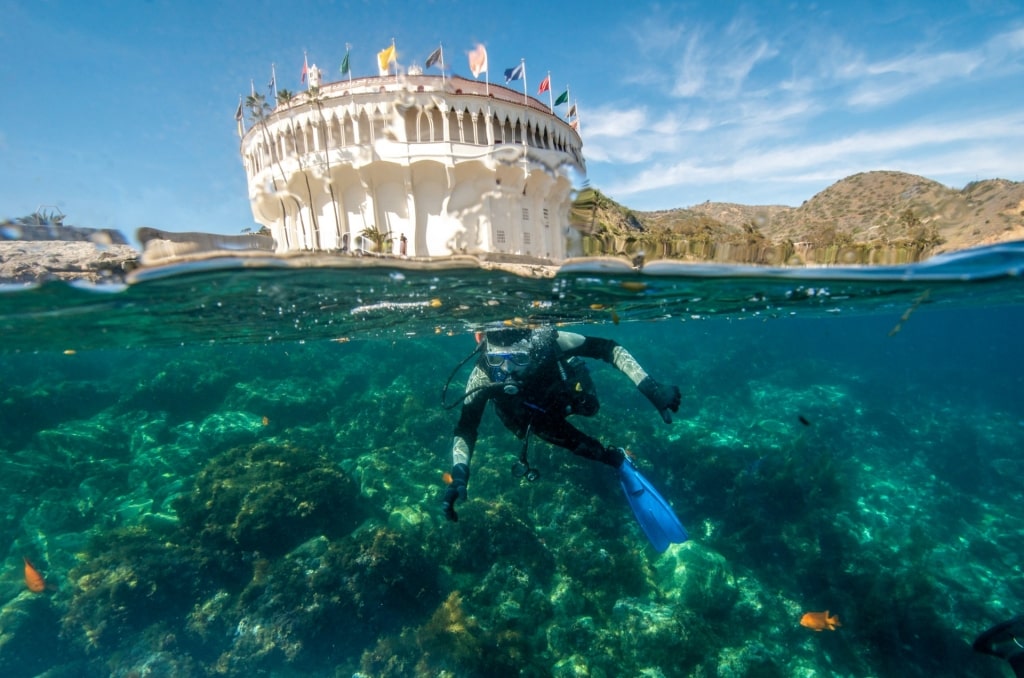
(655, 516)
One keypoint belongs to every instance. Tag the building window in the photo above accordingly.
(499, 237)
(546, 220)
(526, 238)
(526, 214)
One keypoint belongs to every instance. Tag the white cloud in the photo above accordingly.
(933, 149)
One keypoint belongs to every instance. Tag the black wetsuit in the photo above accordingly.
(543, 397)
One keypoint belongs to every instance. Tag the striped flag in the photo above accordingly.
(515, 73)
(545, 85)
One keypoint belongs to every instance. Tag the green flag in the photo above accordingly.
(344, 64)
(562, 98)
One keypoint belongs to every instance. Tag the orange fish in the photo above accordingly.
(33, 580)
(819, 621)
(266, 420)
(447, 478)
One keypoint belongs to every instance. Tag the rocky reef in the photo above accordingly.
(225, 512)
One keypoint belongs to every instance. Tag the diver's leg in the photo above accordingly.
(1002, 641)
(1017, 664)
(558, 431)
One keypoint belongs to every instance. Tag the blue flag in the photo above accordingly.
(515, 73)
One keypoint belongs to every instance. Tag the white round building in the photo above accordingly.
(415, 165)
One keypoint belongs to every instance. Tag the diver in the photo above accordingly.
(536, 379)
(1006, 641)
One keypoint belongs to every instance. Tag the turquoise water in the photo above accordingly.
(236, 469)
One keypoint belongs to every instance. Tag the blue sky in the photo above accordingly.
(121, 112)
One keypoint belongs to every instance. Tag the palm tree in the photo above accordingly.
(309, 189)
(285, 96)
(378, 237)
(259, 109)
(316, 98)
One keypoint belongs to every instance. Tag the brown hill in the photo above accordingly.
(874, 217)
(888, 207)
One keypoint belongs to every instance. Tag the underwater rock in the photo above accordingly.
(227, 429)
(697, 578)
(754, 659)
(566, 597)
(51, 399)
(325, 601)
(30, 640)
(295, 401)
(575, 638)
(266, 499)
(86, 441)
(126, 580)
(574, 666)
(650, 632)
(187, 388)
(496, 534)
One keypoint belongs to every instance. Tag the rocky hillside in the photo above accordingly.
(873, 217)
(889, 206)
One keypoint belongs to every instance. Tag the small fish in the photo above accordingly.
(266, 420)
(33, 580)
(447, 478)
(819, 621)
(803, 420)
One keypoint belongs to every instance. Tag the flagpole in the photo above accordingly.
(522, 62)
(348, 48)
(240, 118)
(252, 87)
(551, 100)
(394, 55)
(273, 79)
(441, 47)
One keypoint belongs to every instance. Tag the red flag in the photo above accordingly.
(305, 68)
(545, 85)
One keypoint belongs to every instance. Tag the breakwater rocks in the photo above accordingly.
(35, 261)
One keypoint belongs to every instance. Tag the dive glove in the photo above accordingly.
(456, 490)
(664, 398)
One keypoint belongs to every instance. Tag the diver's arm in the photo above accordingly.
(607, 350)
(464, 439)
(665, 399)
(469, 418)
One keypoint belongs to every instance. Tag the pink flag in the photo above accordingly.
(545, 85)
(478, 61)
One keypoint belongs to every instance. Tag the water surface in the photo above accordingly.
(235, 467)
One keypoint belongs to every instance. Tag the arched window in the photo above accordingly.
(423, 126)
(481, 129)
(455, 126)
(348, 133)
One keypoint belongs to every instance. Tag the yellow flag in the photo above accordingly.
(384, 59)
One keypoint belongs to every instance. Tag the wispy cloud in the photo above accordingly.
(744, 103)
(931, 149)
